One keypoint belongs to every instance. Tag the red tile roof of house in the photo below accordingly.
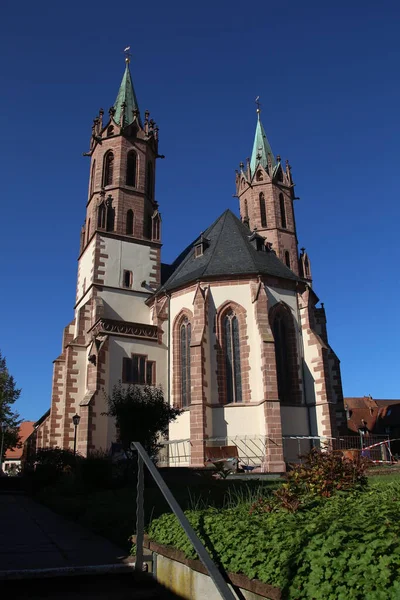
(25, 430)
(365, 411)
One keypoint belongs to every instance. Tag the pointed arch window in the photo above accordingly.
(287, 259)
(92, 177)
(263, 212)
(156, 227)
(149, 180)
(283, 211)
(282, 358)
(88, 232)
(232, 358)
(260, 176)
(306, 268)
(108, 169)
(131, 166)
(185, 339)
(129, 222)
(101, 216)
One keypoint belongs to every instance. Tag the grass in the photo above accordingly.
(112, 512)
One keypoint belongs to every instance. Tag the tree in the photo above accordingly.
(141, 414)
(9, 419)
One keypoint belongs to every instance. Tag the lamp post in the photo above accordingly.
(75, 420)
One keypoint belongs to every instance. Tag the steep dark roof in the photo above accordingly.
(228, 252)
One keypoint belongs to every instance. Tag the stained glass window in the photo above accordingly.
(282, 358)
(185, 338)
(232, 359)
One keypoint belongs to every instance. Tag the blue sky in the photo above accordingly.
(327, 74)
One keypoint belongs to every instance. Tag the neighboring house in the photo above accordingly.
(379, 417)
(14, 457)
(231, 329)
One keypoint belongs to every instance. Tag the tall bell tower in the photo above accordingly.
(266, 193)
(121, 237)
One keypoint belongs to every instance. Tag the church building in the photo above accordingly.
(231, 329)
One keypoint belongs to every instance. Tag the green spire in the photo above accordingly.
(261, 148)
(126, 94)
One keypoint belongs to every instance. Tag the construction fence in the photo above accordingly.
(252, 450)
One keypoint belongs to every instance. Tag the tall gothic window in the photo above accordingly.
(131, 162)
(149, 180)
(232, 358)
(108, 169)
(129, 222)
(263, 212)
(88, 232)
(156, 228)
(306, 267)
(283, 211)
(93, 175)
(287, 259)
(101, 216)
(282, 349)
(185, 338)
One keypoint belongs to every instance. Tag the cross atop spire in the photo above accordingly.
(261, 147)
(126, 102)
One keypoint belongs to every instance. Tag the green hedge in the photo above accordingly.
(341, 548)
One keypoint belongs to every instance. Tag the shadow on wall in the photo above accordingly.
(309, 387)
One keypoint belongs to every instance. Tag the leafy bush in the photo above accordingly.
(51, 463)
(141, 414)
(344, 547)
(322, 474)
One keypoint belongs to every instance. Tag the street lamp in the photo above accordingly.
(3, 430)
(75, 420)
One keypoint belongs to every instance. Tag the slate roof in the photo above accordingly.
(228, 252)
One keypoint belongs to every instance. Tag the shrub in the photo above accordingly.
(321, 475)
(141, 414)
(51, 463)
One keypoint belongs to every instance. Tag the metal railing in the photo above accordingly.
(213, 571)
(252, 449)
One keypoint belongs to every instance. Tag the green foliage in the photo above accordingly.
(51, 463)
(141, 415)
(344, 547)
(324, 473)
(9, 419)
(321, 475)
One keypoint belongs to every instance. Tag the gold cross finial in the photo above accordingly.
(127, 55)
(257, 101)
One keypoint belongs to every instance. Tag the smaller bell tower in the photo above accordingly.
(266, 192)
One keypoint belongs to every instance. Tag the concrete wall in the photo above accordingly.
(191, 584)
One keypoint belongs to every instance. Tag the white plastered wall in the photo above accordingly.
(125, 306)
(126, 256)
(85, 269)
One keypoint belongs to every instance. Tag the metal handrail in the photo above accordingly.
(212, 569)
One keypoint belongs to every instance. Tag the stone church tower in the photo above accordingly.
(118, 269)
(231, 329)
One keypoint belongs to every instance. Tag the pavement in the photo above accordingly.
(34, 537)
(45, 556)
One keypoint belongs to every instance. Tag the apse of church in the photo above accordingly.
(231, 330)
